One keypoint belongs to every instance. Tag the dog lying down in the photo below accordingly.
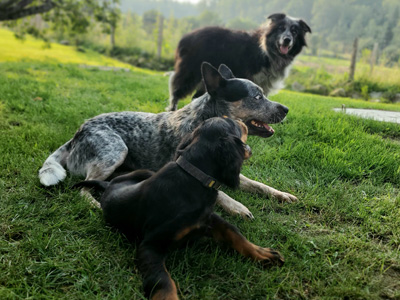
(168, 207)
(128, 141)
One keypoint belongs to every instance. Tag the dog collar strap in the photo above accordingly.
(206, 180)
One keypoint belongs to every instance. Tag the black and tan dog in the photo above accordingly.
(169, 206)
(263, 56)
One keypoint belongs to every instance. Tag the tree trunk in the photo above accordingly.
(374, 56)
(353, 60)
(160, 35)
(112, 36)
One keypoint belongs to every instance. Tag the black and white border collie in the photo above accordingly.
(263, 56)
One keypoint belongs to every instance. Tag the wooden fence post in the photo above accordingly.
(353, 60)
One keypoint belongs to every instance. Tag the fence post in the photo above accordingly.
(353, 60)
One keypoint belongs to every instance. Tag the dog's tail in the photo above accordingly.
(52, 171)
(171, 75)
(98, 185)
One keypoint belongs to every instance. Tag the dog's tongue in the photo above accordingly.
(284, 49)
(269, 128)
(262, 124)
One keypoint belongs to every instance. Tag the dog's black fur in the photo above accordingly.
(169, 206)
(263, 56)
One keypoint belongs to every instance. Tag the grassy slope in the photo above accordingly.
(341, 240)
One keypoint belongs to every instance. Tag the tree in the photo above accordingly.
(242, 24)
(12, 10)
(150, 20)
(77, 15)
(109, 16)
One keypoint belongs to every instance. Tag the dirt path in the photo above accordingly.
(378, 115)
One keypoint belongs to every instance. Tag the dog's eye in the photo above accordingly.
(294, 31)
(281, 27)
(258, 97)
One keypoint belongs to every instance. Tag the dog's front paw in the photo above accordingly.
(237, 208)
(284, 197)
(88, 196)
(245, 213)
(268, 256)
(232, 206)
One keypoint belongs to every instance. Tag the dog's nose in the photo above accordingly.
(287, 40)
(284, 109)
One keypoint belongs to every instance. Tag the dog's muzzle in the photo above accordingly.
(285, 44)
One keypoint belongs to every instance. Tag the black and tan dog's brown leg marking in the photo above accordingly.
(157, 282)
(224, 232)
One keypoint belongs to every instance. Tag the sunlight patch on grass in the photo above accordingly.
(30, 49)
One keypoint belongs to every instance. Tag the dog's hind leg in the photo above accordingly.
(180, 85)
(224, 232)
(257, 187)
(101, 170)
(157, 282)
(232, 206)
(200, 90)
(53, 170)
(97, 156)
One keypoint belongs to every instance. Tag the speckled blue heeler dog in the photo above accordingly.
(140, 140)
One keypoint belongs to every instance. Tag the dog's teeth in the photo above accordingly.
(257, 124)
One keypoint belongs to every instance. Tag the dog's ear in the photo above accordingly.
(276, 17)
(234, 90)
(230, 157)
(186, 141)
(304, 26)
(212, 78)
(225, 72)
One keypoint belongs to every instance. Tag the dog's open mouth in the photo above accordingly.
(259, 128)
(284, 49)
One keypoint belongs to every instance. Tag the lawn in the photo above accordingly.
(341, 240)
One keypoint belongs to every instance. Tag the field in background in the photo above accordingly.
(330, 76)
(341, 240)
(340, 66)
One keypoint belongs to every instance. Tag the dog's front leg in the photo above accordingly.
(232, 206)
(253, 186)
(157, 282)
(224, 232)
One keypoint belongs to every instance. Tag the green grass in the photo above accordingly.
(341, 240)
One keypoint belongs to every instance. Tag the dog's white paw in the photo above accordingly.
(263, 189)
(51, 174)
(284, 197)
(238, 208)
(232, 206)
(88, 196)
